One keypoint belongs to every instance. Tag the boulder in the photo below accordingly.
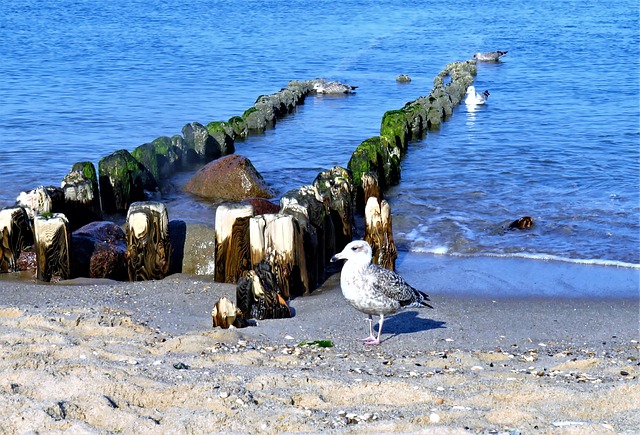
(99, 251)
(229, 178)
(194, 247)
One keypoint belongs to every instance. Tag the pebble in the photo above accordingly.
(434, 418)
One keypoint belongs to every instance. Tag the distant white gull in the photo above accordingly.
(475, 98)
(322, 87)
(490, 56)
(373, 289)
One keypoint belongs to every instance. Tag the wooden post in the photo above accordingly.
(16, 234)
(371, 187)
(279, 239)
(81, 195)
(233, 254)
(336, 186)
(379, 233)
(148, 245)
(53, 240)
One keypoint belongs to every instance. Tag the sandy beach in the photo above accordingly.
(106, 357)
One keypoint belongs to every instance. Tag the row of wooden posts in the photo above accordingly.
(312, 224)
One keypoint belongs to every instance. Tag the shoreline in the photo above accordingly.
(99, 356)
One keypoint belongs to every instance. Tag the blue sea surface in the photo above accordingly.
(559, 139)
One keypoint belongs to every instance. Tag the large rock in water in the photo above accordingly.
(229, 178)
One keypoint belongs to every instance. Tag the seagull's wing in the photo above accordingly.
(392, 285)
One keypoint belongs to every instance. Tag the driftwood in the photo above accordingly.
(233, 255)
(52, 241)
(379, 233)
(148, 245)
(16, 234)
(258, 295)
(225, 314)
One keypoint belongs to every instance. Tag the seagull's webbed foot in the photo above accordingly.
(371, 341)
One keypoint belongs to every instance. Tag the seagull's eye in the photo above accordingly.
(354, 248)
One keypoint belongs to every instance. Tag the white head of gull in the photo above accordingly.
(322, 87)
(490, 56)
(474, 97)
(372, 289)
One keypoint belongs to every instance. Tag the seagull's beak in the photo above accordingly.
(337, 257)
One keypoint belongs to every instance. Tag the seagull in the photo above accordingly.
(322, 87)
(372, 289)
(490, 56)
(475, 98)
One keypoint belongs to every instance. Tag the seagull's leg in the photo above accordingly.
(371, 336)
(372, 339)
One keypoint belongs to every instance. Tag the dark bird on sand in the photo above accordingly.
(372, 289)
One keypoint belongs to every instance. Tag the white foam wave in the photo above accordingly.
(442, 250)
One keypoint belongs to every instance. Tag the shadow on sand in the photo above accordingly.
(407, 322)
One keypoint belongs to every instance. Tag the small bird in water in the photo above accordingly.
(372, 289)
(322, 87)
(490, 56)
(475, 98)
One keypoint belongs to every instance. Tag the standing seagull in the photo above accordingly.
(490, 56)
(373, 289)
(475, 98)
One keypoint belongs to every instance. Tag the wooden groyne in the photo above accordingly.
(313, 222)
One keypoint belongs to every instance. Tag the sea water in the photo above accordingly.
(557, 141)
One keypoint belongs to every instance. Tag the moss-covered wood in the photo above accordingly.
(123, 180)
(199, 146)
(222, 134)
(395, 127)
(239, 126)
(81, 195)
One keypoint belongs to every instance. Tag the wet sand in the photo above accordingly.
(103, 357)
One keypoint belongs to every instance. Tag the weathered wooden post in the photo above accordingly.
(41, 200)
(233, 253)
(148, 244)
(16, 234)
(278, 239)
(52, 240)
(379, 233)
(336, 187)
(81, 195)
